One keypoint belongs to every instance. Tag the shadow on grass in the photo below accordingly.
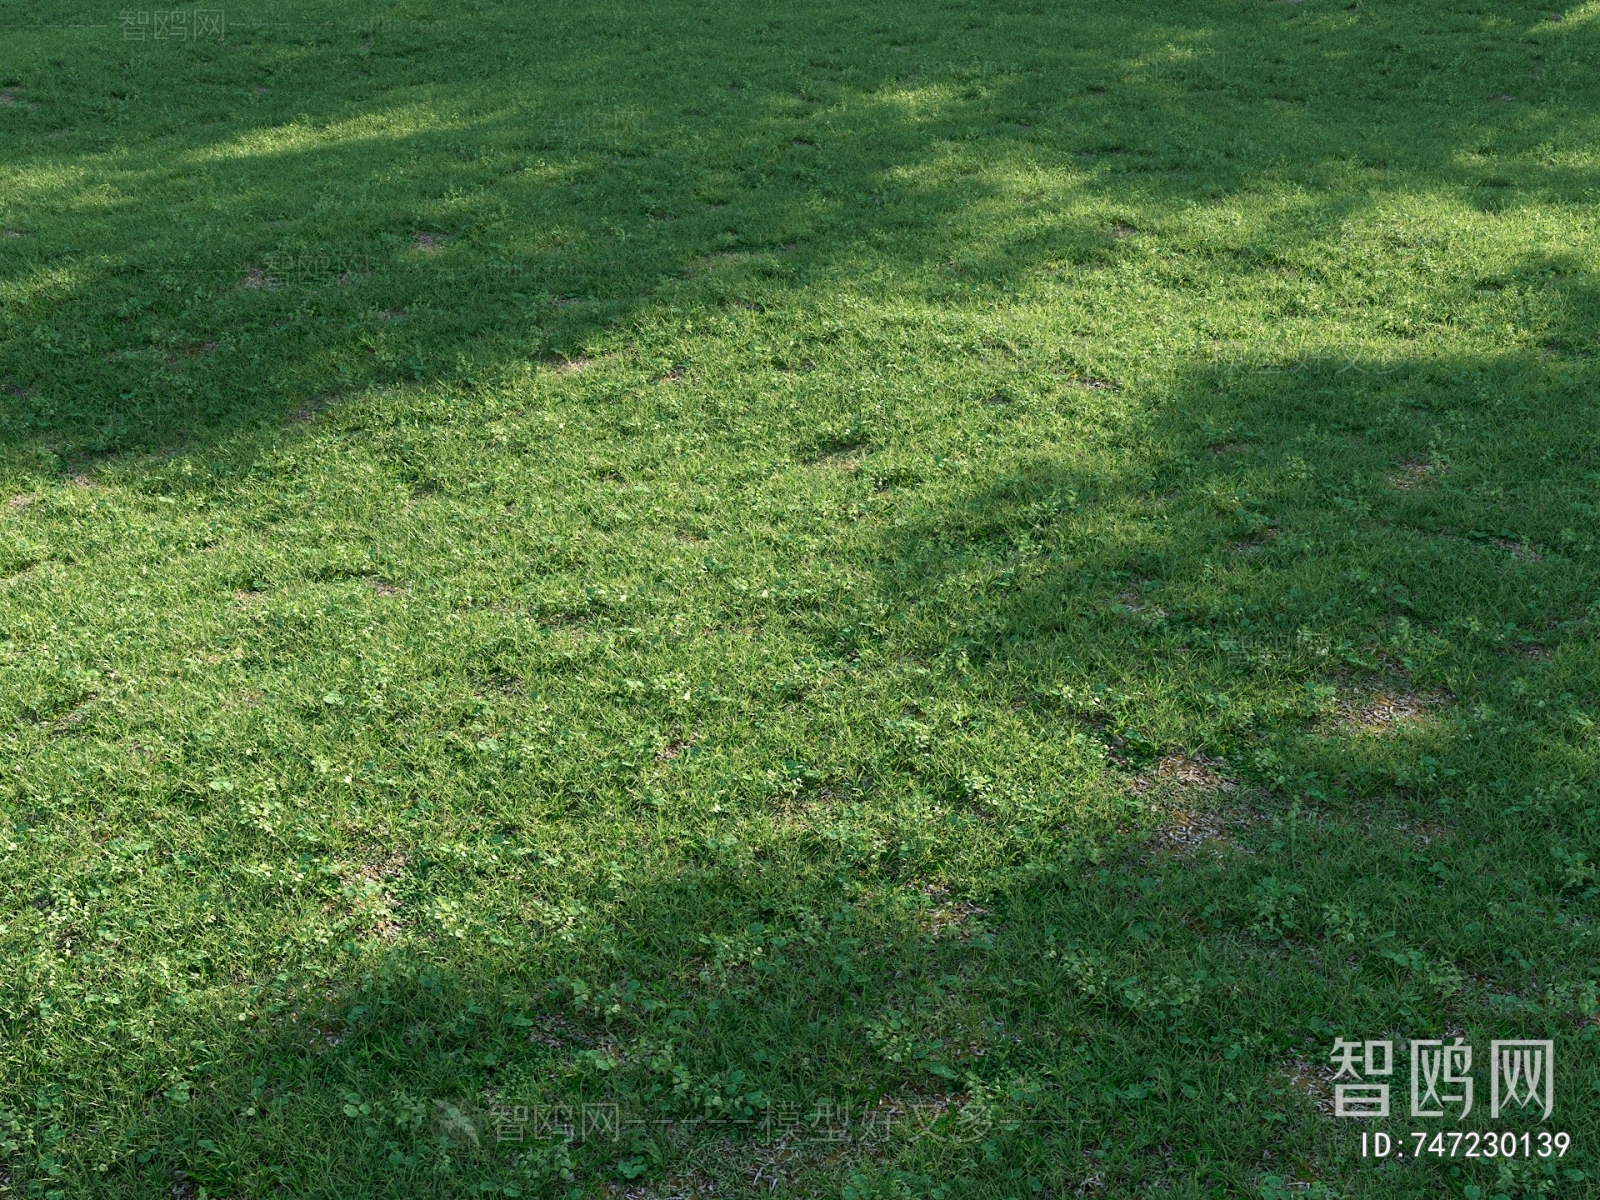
(1285, 568)
(463, 225)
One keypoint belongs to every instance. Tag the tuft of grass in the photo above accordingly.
(887, 600)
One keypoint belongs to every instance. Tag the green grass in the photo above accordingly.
(716, 558)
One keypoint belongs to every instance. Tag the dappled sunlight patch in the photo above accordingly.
(57, 283)
(295, 137)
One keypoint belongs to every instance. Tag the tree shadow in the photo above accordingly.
(189, 286)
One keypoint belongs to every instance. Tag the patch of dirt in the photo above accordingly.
(429, 243)
(848, 465)
(1254, 545)
(383, 868)
(1382, 712)
(250, 595)
(18, 503)
(255, 277)
(1314, 1081)
(1520, 550)
(672, 376)
(1186, 830)
(1093, 383)
(571, 366)
(1122, 229)
(1184, 771)
(690, 1186)
(1181, 788)
(384, 588)
(1426, 834)
(12, 233)
(370, 900)
(1229, 448)
(1135, 603)
(1490, 988)
(961, 919)
(308, 410)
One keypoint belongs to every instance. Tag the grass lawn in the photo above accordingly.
(881, 600)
